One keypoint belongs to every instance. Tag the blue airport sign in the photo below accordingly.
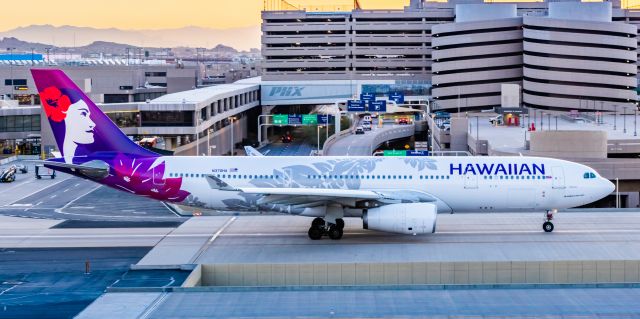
(355, 106)
(295, 119)
(417, 153)
(378, 106)
(397, 97)
(325, 119)
(368, 96)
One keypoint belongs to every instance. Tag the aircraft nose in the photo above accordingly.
(608, 187)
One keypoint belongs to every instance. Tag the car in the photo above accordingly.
(359, 130)
(496, 120)
(286, 138)
(366, 126)
(403, 121)
(366, 118)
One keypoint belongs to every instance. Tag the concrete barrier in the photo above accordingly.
(424, 273)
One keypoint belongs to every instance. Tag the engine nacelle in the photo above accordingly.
(410, 218)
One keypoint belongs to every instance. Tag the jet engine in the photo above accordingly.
(409, 218)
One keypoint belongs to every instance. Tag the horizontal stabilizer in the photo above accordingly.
(93, 169)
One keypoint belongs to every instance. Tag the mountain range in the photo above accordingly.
(70, 36)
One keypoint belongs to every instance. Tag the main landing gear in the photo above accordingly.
(320, 228)
(547, 226)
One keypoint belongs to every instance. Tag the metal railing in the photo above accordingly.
(287, 5)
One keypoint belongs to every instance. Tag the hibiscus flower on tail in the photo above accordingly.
(137, 176)
(55, 103)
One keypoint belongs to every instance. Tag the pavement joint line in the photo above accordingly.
(154, 305)
(210, 241)
(38, 191)
(60, 210)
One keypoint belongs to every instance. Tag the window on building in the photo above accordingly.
(158, 74)
(116, 98)
(16, 82)
(167, 118)
(20, 123)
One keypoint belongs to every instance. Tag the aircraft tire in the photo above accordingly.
(335, 233)
(315, 233)
(317, 222)
(547, 227)
(340, 223)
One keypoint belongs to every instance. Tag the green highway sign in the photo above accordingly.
(281, 119)
(310, 119)
(395, 153)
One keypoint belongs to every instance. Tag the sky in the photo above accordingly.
(149, 14)
(159, 14)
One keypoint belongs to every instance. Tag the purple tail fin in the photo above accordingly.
(79, 126)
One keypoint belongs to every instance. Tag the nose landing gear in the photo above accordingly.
(547, 226)
(320, 228)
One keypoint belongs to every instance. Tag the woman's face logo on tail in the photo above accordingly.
(68, 108)
(78, 123)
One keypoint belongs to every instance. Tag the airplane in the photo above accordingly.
(391, 194)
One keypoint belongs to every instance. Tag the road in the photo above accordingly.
(295, 148)
(365, 144)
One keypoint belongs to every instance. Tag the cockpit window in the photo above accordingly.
(588, 175)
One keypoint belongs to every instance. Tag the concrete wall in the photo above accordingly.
(569, 144)
(575, 272)
(458, 132)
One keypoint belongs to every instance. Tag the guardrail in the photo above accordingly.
(392, 134)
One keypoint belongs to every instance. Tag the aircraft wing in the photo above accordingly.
(92, 169)
(310, 197)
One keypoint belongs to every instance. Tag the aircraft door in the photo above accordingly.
(158, 176)
(470, 181)
(558, 177)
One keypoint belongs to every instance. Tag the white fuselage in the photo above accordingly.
(461, 184)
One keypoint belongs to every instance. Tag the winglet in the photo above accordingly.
(217, 183)
(252, 151)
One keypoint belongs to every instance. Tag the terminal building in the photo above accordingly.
(565, 55)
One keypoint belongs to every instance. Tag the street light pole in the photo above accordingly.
(199, 121)
(232, 148)
(11, 72)
(635, 122)
(319, 127)
(624, 120)
(208, 142)
(615, 118)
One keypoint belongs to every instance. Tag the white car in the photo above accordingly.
(359, 130)
(366, 126)
(366, 118)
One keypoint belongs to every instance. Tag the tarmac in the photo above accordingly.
(143, 255)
